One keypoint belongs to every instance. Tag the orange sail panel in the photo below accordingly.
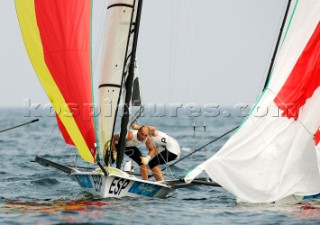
(57, 37)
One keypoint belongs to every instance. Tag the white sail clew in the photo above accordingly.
(114, 54)
(273, 154)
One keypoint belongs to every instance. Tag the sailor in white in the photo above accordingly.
(160, 139)
(134, 139)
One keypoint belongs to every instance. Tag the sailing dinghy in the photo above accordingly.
(57, 36)
(275, 154)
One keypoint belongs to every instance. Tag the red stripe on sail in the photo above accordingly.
(64, 27)
(303, 80)
(317, 137)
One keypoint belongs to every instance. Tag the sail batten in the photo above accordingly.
(274, 154)
(110, 85)
(120, 4)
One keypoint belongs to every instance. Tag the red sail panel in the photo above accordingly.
(64, 27)
(317, 137)
(303, 80)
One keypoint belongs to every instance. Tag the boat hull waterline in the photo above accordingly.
(119, 184)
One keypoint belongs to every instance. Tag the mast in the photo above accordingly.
(115, 58)
(277, 45)
(128, 86)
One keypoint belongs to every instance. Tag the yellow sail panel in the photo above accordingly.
(72, 123)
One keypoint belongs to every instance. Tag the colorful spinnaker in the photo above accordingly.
(276, 153)
(57, 36)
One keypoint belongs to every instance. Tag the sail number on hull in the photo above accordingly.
(117, 185)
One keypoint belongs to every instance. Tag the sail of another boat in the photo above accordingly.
(275, 153)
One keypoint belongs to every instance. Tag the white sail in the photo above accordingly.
(273, 154)
(119, 14)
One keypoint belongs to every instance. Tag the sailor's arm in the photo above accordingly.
(153, 131)
(152, 152)
(135, 126)
(150, 146)
(116, 138)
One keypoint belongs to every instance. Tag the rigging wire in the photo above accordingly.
(55, 144)
(263, 79)
(99, 41)
(195, 86)
(189, 72)
(96, 61)
(46, 140)
(197, 83)
(172, 67)
(285, 11)
(173, 55)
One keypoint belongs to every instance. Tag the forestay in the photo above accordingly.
(275, 153)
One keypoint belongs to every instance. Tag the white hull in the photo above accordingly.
(119, 184)
(291, 199)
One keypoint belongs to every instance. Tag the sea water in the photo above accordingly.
(33, 194)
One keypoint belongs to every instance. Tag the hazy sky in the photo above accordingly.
(204, 51)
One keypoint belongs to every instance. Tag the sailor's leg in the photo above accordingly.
(157, 173)
(135, 154)
(144, 172)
